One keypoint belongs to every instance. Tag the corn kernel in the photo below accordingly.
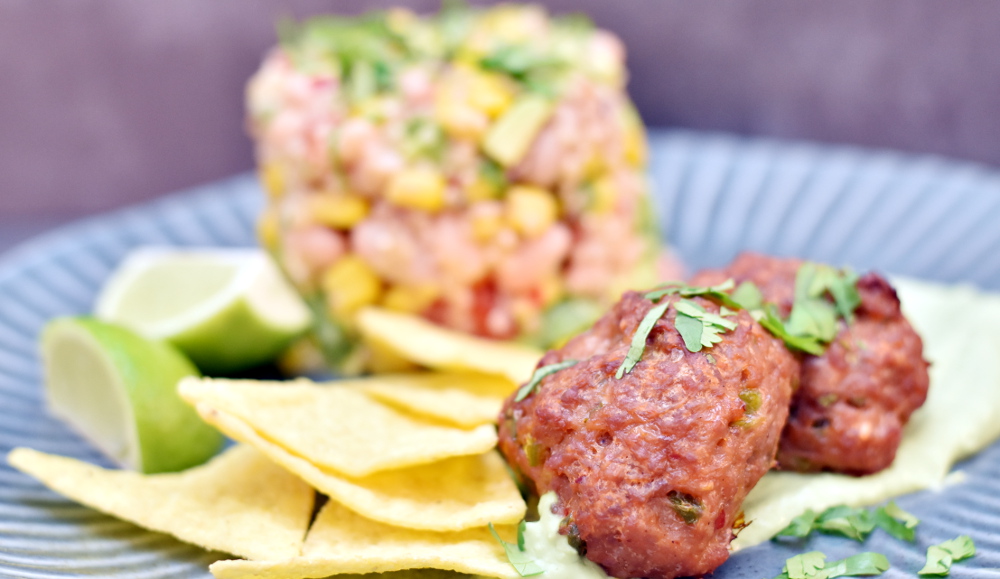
(486, 226)
(636, 148)
(417, 187)
(267, 230)
(409, 299)
(338, 211)
(458, 119)
(272, 179)
(550, 290)
(482, 189)
(349, 285)
(530, 210)
(605, 195)
(489, 93)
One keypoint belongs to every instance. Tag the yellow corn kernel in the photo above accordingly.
(409, 299)
(636, 148)
(605, 195)
(458, 119)
(482, 189)
(272, 179)
(338, 211)
(349, 285)
(490, 93)
(267, 229)
(417, 187)
(550, 290)
(486, 226)
(530, 210)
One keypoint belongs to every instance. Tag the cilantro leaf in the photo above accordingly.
(748, 296)
(893, 510)
(691, 330)
(700, 328)
(897, 522)
(850, 522)
(862, 564)
(813, 565)
(805, 565)
(638, 345)
(941, 556)
(519, 559)
(772, 322)
(539, 375)
(853, 523)
(717, 293)
(801, 526)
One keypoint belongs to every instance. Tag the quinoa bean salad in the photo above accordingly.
(482, 168)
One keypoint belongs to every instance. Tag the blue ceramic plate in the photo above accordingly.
(923, 217)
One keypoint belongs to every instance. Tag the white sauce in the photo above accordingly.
(552, 551)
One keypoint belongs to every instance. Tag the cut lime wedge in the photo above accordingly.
(119, 390)
(227, 309)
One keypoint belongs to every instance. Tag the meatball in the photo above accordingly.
(651, 468)
(848, 415)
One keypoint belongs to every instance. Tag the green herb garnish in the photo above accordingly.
(697, 327)
(853, 523)
(813, 565)
(539, 375)
(519, 559)
(638, 345)
(700, 328)
(687, 507)
(941, 556)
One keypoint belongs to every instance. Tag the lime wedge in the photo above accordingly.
(227, 309)
(119, 390)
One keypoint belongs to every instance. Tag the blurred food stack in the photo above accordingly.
(484, 169)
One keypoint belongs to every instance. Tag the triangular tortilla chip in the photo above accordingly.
(450, 495)
(240, 502)
(338, 429)
(343, 542)
(464, 399)
(420, 341)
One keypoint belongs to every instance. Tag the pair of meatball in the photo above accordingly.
(854, 400)
(651, 468)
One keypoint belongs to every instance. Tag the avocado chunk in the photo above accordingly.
(511, 135)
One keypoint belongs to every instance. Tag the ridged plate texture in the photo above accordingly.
(717, 194)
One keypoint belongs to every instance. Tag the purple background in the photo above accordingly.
(107, 102)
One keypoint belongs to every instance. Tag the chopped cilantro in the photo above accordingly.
(853, 523)
(700, 328)
(638, 344)
(801, 526)
(805, 565)
(897, 522)
(539, 375)
(519, 559)
(813, 565)
(941, 556)
(748, 296)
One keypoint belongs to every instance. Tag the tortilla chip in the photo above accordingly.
(450, 495)
(343, 542)
(416, 339)
(958, 327)
(339, 429)
(462, 399)
(239, 502)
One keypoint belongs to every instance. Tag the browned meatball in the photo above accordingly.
(854, 400)
(651, 469)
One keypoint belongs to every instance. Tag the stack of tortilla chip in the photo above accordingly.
(408, 463)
